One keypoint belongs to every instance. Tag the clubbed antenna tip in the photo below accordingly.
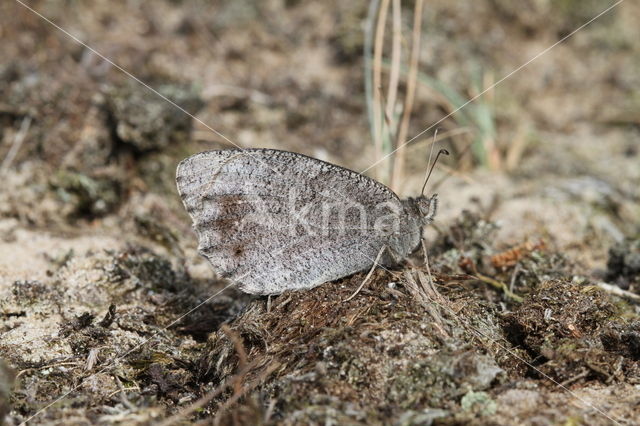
(442, 151)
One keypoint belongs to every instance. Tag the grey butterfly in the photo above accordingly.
(273, 220)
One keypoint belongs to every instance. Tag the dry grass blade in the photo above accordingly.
(427, 294)
(516, 148)
(367, 54)
(240, 350)
(17, 143)
(499, 285)
(398, 166)
(377, 81)
(394, 76)
(237, 344)
(494, 155)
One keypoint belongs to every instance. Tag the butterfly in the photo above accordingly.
(271, 220)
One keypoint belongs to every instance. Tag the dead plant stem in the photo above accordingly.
(399, 161)
(394, 76)
(377, 81)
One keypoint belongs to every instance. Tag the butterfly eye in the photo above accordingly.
(427, 207)
(424, 205)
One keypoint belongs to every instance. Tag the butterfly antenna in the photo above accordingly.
(433, 145)
(442, 151)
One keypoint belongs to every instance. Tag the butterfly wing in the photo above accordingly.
(274, 220)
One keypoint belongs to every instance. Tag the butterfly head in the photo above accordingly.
(427, 207)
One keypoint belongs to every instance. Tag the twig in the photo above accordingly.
(575, 378)
(269, 412)
(499, 285)
(29, 370)
(398, 165)
(123, 394)
(514, 275)
(17, 143)
(377, 81)
(614, 289)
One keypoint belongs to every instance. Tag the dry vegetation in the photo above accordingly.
(528, 312)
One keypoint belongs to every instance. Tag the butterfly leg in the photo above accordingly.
(373, 267)
(396, 257)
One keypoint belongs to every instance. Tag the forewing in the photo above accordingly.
(275, 220)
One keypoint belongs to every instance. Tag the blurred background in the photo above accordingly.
(546, 152)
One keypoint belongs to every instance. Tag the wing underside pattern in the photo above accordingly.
(274, 220)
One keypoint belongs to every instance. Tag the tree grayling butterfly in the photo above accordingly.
(271, 220)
